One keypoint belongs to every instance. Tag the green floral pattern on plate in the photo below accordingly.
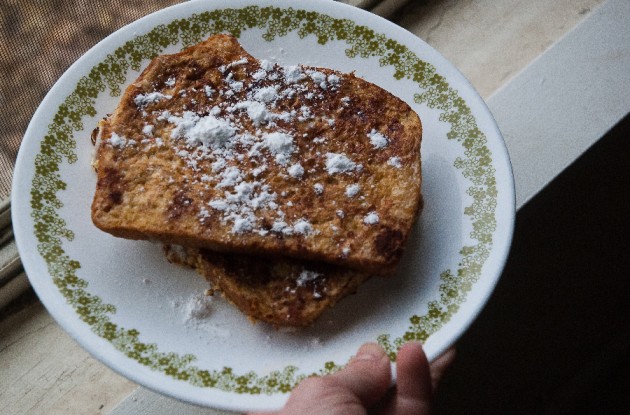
(433, 90)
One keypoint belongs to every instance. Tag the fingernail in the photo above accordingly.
(416, 344)
(365, 356)
(369, 352)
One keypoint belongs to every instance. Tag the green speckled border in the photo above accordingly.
(433, 90)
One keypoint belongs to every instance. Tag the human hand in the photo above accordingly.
(364, 384)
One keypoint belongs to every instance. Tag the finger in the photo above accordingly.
(361, 383)
(413, 383)
(368, 375)
(440, 365)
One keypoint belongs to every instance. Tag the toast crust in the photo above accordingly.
(281, 291)
(214, 149)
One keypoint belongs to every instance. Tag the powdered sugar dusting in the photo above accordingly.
(256, 111)
(119, 141)
(296, 171)
(207, 131)
(307, 276)
(293, 74)
(197, 307)
(394, 162)
(371, 218)
(303, 227)
(280, 145)
(378, 140)
(239, 137)
(339, 163)
(266, 94)
(147, 129)
(352, 190)
(142, 100)
(266, 65)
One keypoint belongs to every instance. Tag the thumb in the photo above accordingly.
(360, 384)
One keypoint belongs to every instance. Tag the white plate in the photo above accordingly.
(127, 305)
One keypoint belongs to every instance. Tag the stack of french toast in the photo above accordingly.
(286, 187)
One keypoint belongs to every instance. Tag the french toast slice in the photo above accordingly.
(282, 292)
(215, 149)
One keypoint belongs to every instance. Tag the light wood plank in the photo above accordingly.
(44, 371)
(490, 41)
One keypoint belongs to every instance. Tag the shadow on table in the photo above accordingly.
(553, 338)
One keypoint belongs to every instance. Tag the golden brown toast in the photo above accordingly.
(212, 148)
(281, 291)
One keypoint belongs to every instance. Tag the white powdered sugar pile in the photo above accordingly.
(352, 190)
(119, 141)
(394, 162)
(196, 307)
(197, 312)
(340, 163)
(318, 188)
(377, 139)
(296, 171)
(209, 131)
(371, 218)
(142, 100)
(280, 145)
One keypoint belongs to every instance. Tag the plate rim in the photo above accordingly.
(480, 105)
